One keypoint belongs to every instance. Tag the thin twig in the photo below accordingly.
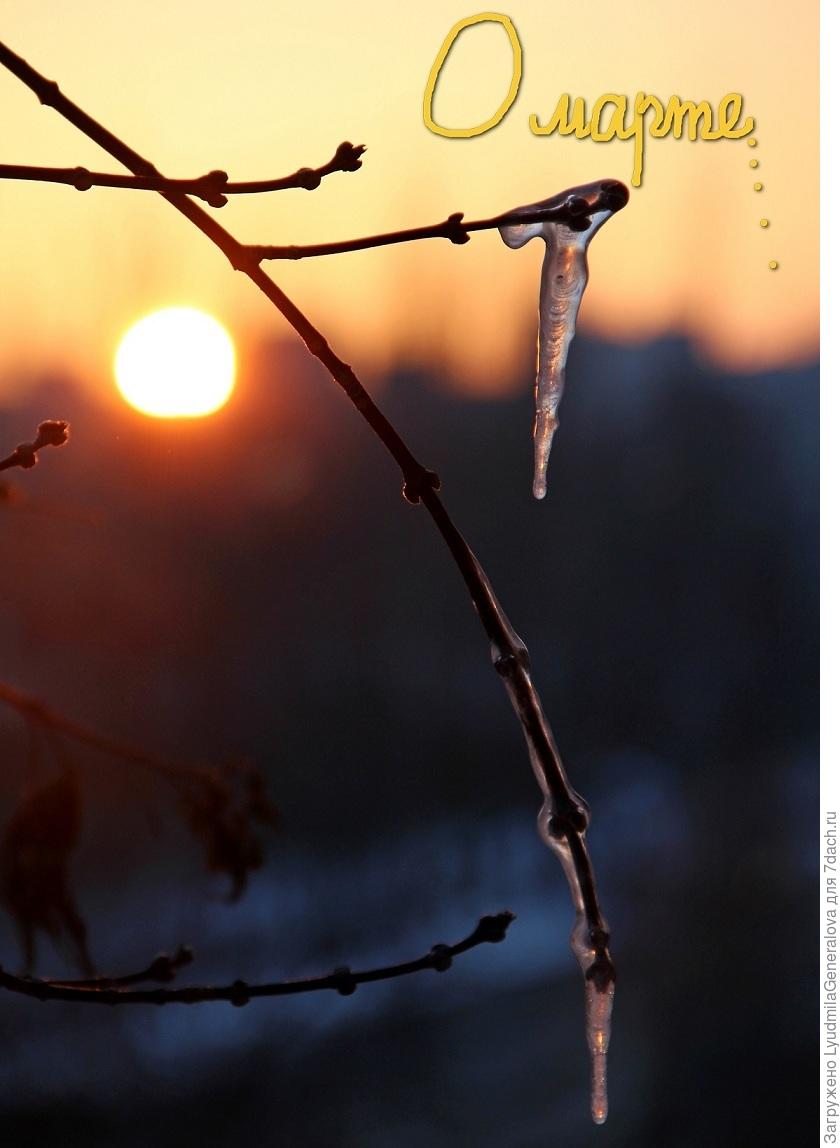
(489, 930)
(565, 816)
(52, 432)
(163, 968)
(36, 712)
(213, 187)
(452, 228)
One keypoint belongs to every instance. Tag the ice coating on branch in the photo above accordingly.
(564, 277)
(599, 991)
(562, 823)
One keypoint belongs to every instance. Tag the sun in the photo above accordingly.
(176, 363)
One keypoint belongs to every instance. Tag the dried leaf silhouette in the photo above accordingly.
(221, 806)
(36, 847)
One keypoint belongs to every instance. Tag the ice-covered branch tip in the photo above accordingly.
(213, 188)
(51, 432)
(454, 228)
(344, 981)
(567, 222)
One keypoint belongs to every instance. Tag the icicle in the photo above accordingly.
(564, 277)
(598, 1018)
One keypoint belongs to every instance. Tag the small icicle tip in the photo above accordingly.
(599, 1003)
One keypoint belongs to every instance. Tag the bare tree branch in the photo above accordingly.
(32, 709)
(52, 432)
(213, 187)
(110, 991)
(564, 816)
(163, 968)
(509, 654)
(452, 228)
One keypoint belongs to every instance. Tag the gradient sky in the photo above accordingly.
(263, 87)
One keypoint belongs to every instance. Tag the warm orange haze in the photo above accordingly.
(268, 89)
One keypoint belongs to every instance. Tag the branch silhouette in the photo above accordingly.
(564, 817)
(213, 188)
(52, 432)
(344, 981)
(34, 710)
(163, 968)
(452, 228)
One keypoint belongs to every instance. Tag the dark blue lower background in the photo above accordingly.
(254, 585)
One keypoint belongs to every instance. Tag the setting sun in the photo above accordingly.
(176, 363)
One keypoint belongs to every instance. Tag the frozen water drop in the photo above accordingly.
(564, 276)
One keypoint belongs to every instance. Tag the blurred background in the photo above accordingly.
(252, 585)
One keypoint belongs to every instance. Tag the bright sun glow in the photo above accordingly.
(176, 363)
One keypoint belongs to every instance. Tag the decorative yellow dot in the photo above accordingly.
(752, 143)
(773, 265)
(758, 187)
(753, 163)
(764, 223)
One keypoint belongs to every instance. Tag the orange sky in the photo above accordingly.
(260, 87)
